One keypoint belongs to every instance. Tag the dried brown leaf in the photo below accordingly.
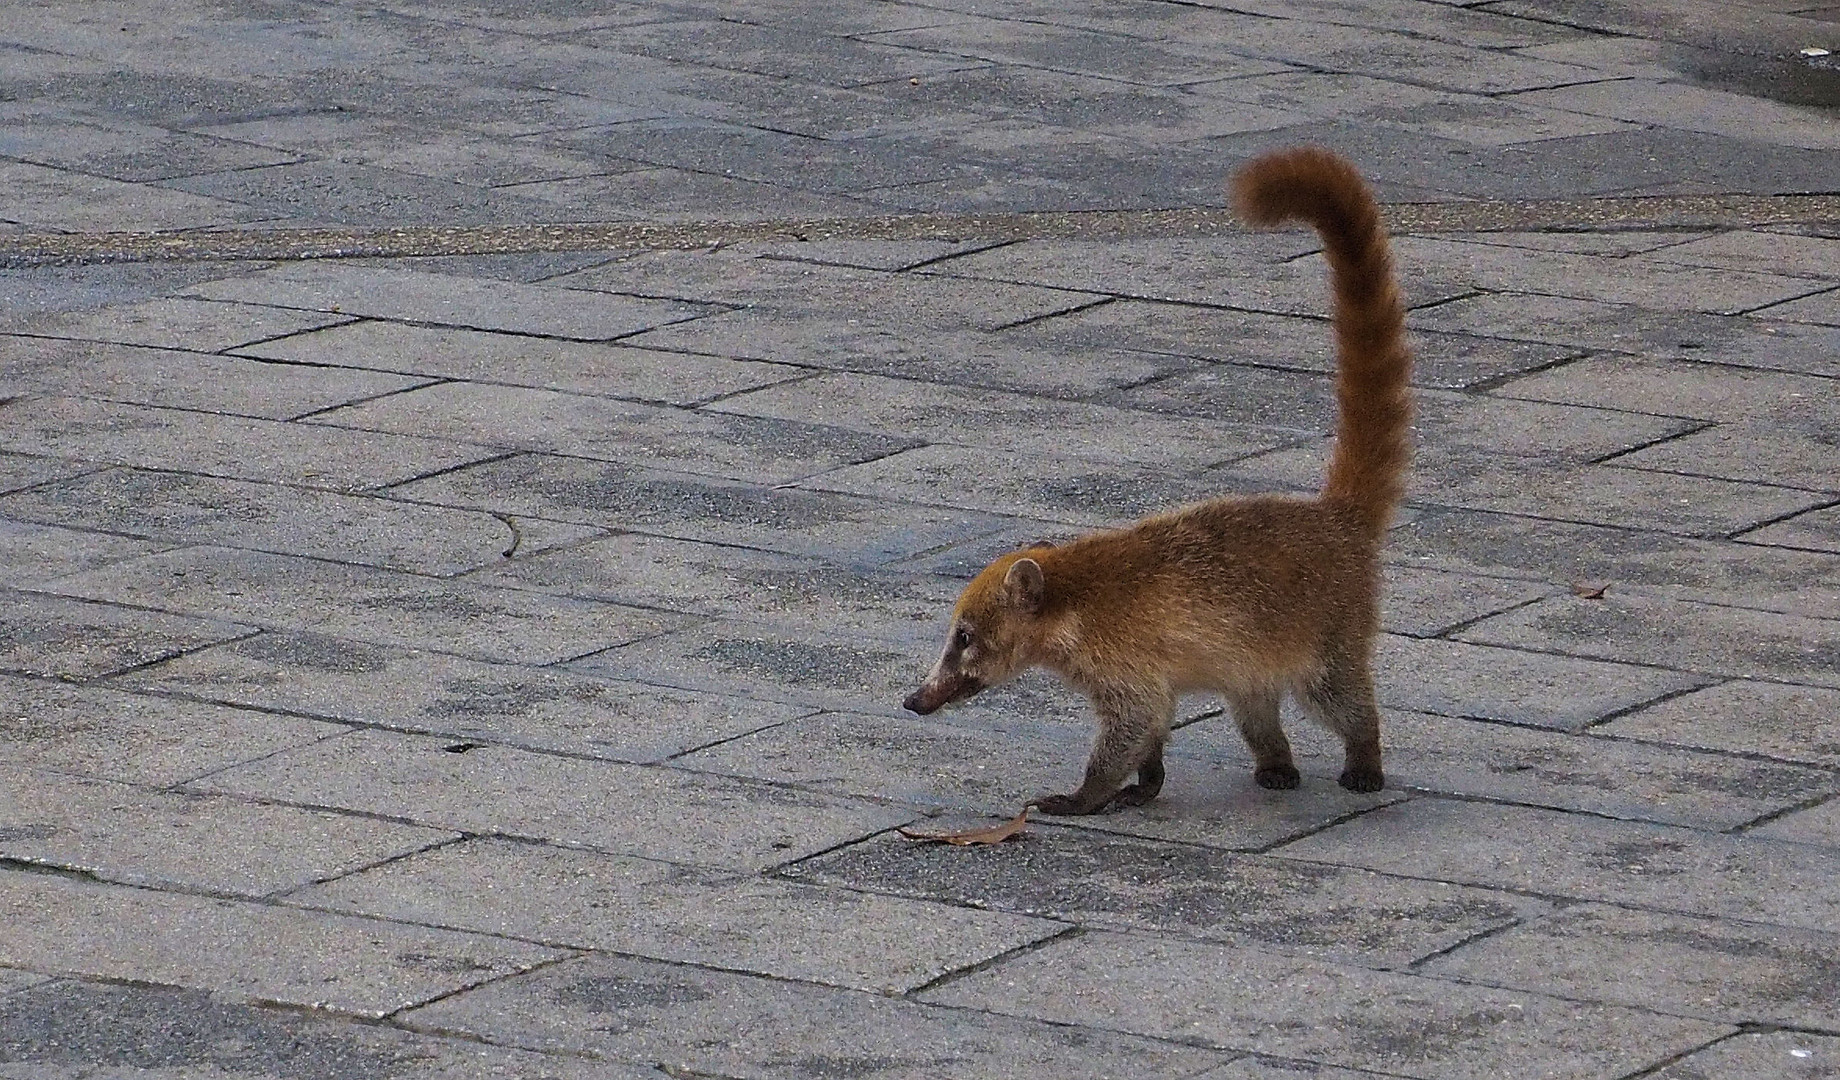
(1590, 590)
(991, 834)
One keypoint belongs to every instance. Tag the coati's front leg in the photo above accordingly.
(1132, 730)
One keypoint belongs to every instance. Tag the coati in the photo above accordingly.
(1248, 597)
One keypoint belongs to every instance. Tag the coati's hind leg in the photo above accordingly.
(1133, 726)
(1342, 700)
(1257, 714)
(1149, 779)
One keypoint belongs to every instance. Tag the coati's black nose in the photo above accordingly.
(917, 703)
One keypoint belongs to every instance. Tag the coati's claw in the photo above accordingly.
(1281, 777)
(1135, 795)
(1363, 779)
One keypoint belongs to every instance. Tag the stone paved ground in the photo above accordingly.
(488, 665)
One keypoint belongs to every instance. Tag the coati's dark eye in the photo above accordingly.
(961, 639)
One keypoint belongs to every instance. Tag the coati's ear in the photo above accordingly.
(1024, 585)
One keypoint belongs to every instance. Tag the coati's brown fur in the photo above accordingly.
(1247, 597)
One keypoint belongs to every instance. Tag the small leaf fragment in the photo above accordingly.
(1590, 590)
(991, 834)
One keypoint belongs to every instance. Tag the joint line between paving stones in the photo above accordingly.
(566, 956)
(672, 757)
(1417, 966)
(1659, 699)
(281, 895)
(1823, 492)
(1778, 519)
(1068, 932)
(1764, 819)
(443, 471)
(310, 413)
(1045, 316)
(1698, 425)
(1764, 309)
(1464, 624)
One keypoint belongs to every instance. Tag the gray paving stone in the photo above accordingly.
(1818, 825)
(1817, 530)
(890, 255)
(576, 367)
(737, 583)
(366, 531)
(134, 153)
(1057, 490)
(538, 709)
(1189, 892)
(1708, 391)
(1771, 252)
(30, 553)
(515, 418)
(383, 606)
(1588, 324)
(243, 950)
(1464, 679)
(186, 380)
(1081, 52)
(1789, 1054)
(623, 809)
(1000, 423)
(1790, 723)
(1711, 969)
(694, 1020)
(1422, 602)
(1635, 560)
(1286, 342)
(1822, 309)
(1485, 121)
(75, 640)
(70, 1029)
(144, 740)
(443, 300)
(1675, 634)
(1445, 421)
(120, 833)
(777, 51)
(837, 937)
(1613, 243)
(86, 287)
(1253, 1068)
(1239, 997)
(1226, 270)
(862, 531)
(343, 193)
(1557, 488)
(1627, 780)
(23, 470)
(1758, 453)
(1693, 108)
(1644, 283)
(48, 198)
(681, 195)
(196, 325)
(233, 446)
(1660, 867)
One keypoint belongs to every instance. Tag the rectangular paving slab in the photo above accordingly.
(1752, 452)
(187, 380)
(1000, 424)
(78, 640)
(694, 1020)
(839, 937)
(761, 450)
(1240, 997)
(1714, 969)
(544, 363)
(180, 508)
(1789, 723)
(377, 605)
(68, 1027)
(1818, 825)
(465, 700)
(732, 582)
(444, 300)
(31, 553)
(1792, 1055)
(241, 447)
(625, 809)
(139, 739)
(1675, 634)
(121, 833)
(1660, 867)
(243, 950)
(861, 531)
(176, 323)
(1182, 890)
(1516, 764)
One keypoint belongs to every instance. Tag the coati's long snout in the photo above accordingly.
(1250, 598)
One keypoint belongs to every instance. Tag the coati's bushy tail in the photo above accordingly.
(1308, 183)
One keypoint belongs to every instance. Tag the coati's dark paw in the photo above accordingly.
(1278, 777)
(1135, 795)
(1060, 805)
(1362, 779)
